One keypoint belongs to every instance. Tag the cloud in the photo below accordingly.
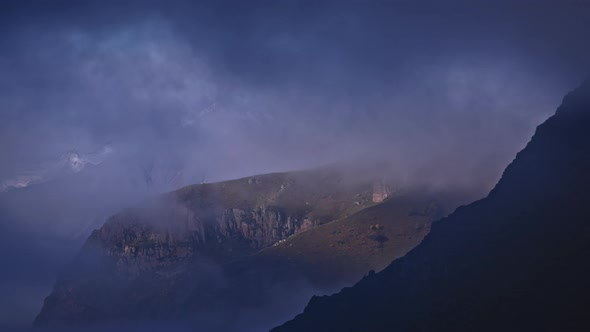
(234, 81)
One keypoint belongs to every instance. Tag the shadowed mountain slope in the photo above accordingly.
(516, 260)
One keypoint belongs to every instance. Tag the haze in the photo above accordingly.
(104, 103)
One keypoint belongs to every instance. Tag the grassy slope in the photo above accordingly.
(348, 248)
(324, 194)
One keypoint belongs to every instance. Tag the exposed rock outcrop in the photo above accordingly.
(143, 245)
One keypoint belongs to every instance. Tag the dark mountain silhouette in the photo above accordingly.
(516, 260)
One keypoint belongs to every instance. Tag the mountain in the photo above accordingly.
(243, 254)
(516, 260)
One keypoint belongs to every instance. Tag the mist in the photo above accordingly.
(104, 104)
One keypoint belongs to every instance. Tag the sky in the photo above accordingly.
(105, 102)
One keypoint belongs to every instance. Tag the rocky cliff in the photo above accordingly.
(138, 242)
(516, 260)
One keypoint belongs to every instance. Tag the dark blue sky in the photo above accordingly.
(152, 95)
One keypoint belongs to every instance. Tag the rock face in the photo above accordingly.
(140, 246)
(516, 260)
